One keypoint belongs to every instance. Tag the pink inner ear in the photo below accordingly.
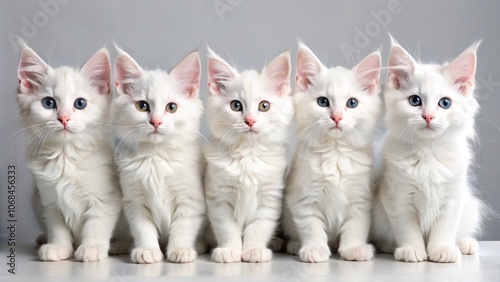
(368, 72)
(401, 66)
(308, 66)
(126, 71)
(187, 74)
(98, 71)
(462, 71)
(278, 71)
(31, 70)
(219, 72)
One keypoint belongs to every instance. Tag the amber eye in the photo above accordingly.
(236, 106)
(171, 107)
(264, 106)
(142, 106)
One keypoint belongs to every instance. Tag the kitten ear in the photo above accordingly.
(278, 72)
(367, 72)
(127, 72)
(187, 74)
(401, 66)
(219, 72)
(98, 71)
(462, 69)
(32, 70)
(308, 66)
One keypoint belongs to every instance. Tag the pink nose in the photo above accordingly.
(250, 122)
(155, 123)
(64, 120)
(336, 118)
(428, 118)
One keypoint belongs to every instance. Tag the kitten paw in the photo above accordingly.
(226, 255)
(359, 253)
(90, 253)
(53, 252)
(276, 244)
(314, 254)
(182, 255)
(257, 255)
(293, 247)
(119, 248)
(41, 239)
(141, 255)
(468, 246)
(444, 254)
(410, 254)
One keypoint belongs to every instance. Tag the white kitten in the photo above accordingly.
(66, 111)
(159, 160)
(248, 114)
(328, 195)
(424, 194)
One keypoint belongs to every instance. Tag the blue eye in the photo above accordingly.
(445, 103)
(80, 103)
(48, 103)
(352, 103)
(236, 106)
(323, 102)
(415, 101)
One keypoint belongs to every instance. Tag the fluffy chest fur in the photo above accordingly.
(245, 173)
(70, 178)
(154, 175)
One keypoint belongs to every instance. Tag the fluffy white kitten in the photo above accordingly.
(248, 114)
(66, 111)
(157, 115)
(424, 196)
(328, 195)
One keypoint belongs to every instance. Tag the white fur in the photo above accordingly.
(424, 196)
(245, 170)
(160, 172)
(73, 169)
(328, 196)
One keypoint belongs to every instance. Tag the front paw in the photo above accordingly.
(468, 246)
(90, 253)
(182, 255)
(314, 254)
(226, 255)
(293, 247)
(359, 253)
(53, 252)
(146, 255)
(257, 255)
(444, 253)
(410, 254)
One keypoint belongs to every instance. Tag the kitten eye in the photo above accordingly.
(236, 106)
(445, 103)
(171, 107)
(352, 103)
(48, 103)
(142, 106)
(415, 101)
(323, 102)
(264, 106)
(80, 103)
